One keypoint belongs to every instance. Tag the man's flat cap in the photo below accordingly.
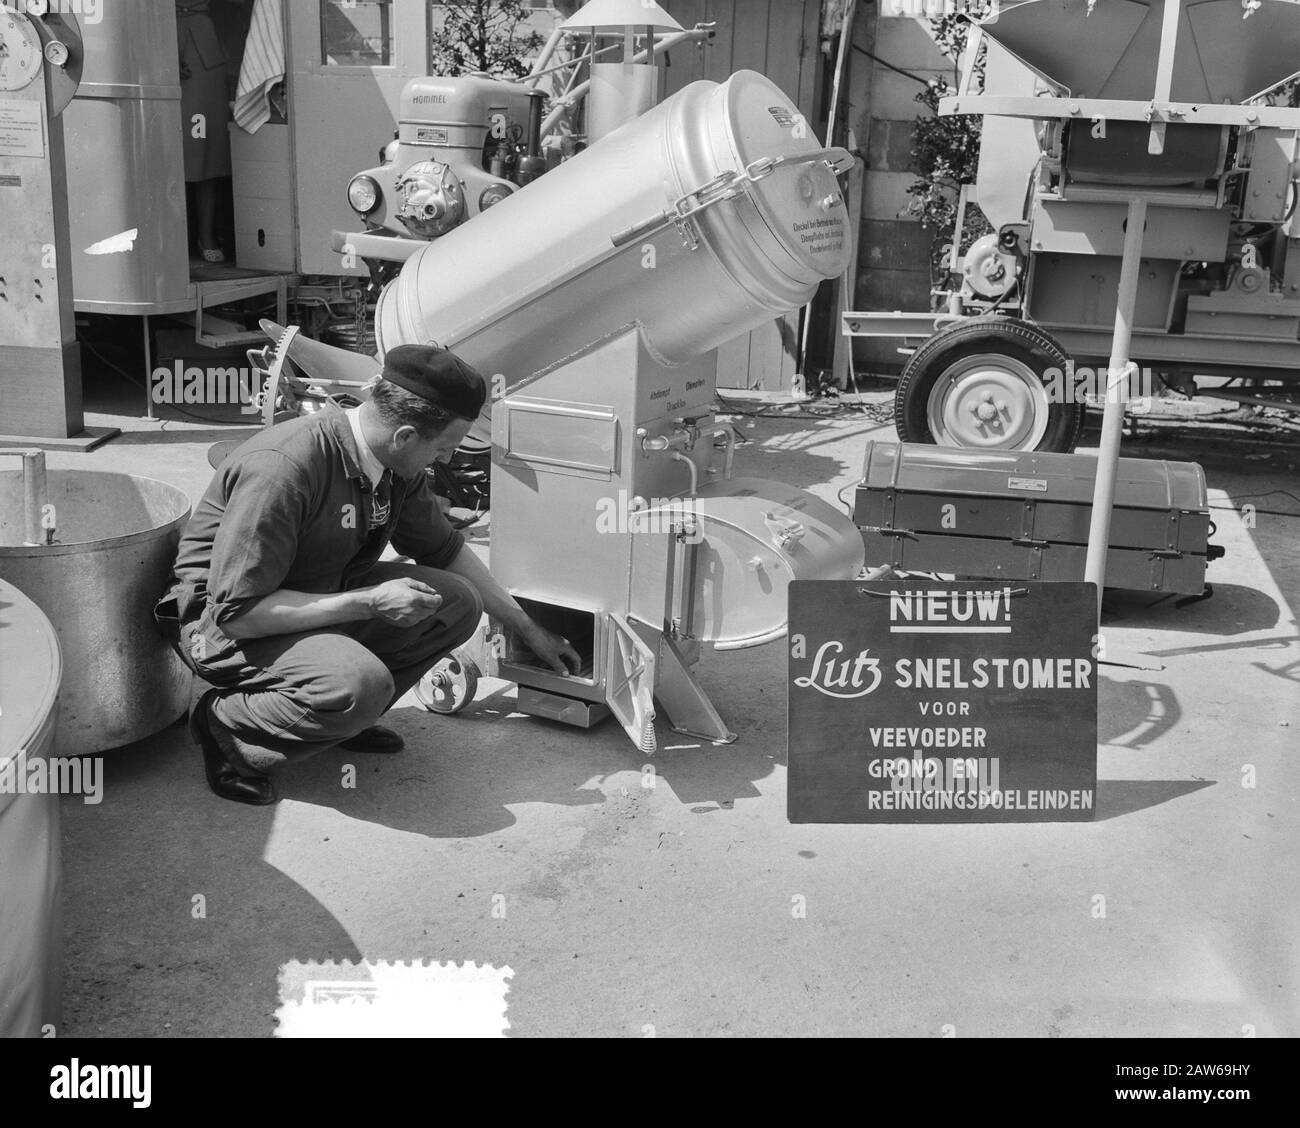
(439, 376)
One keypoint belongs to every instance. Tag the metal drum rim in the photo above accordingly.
(743, 253)
(107, 544)
(765, 233)
(47, 713)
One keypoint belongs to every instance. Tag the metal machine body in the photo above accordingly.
(463, 144)
(617, 522)
(1023, 515)
(1088, 107)
(129, 235)
(603, 345)
(41, 58)
(593, 303)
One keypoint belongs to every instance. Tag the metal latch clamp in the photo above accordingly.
(727, 185)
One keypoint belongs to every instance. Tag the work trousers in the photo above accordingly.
(287, 697)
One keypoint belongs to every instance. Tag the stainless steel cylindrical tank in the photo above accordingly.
(115, 542)
(538, 278)
(31, 868)
(126, 172)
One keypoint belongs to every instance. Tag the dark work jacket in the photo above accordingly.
(291, 509)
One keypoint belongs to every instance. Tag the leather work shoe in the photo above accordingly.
(374, 739)
(218, 756)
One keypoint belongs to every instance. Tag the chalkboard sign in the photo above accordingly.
(942, 702)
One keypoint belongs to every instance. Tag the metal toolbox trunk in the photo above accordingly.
(1024, 515)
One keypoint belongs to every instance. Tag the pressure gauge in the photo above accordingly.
(20, 51)
(56, 53)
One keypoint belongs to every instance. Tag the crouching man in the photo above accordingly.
(279, 600)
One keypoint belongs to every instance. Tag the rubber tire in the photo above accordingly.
(1026, 343)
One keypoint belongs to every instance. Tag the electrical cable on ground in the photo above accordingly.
(175, 407)
(877, 412)
(1267, 512)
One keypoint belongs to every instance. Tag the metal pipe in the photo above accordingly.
(574, 62)
(1112, 427)
(678, 456)
(148, 371)
(699, 31)
(1164, 71)
(35, 493)
(729, 432)
(532, 164)
(678, 440)
(539, 64)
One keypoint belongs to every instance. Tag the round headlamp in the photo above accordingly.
(363, 195)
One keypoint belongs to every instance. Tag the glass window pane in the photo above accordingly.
(356, 33)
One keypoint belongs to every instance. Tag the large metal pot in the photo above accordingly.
(31, 868)
(115, 539)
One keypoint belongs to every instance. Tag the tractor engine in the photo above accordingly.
(463, 144)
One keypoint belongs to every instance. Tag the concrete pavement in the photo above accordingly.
(626, 910)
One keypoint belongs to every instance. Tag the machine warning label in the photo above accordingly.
(942, 702)
(22, 129)
(821, 236)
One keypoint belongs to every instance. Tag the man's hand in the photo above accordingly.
(404, 602)
(551, 649)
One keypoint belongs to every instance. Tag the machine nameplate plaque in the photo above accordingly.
(22, 129)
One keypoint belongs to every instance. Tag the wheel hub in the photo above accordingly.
(449, 686)
(990, 401)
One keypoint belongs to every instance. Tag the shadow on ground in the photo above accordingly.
(1116, 797)
(181, 933)
(460, 775)
(1231, 610)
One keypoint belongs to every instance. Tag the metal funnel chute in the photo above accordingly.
(1219, 56)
